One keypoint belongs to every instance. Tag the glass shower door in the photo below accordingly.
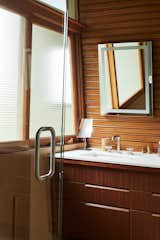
(32, 80)
(47, 122)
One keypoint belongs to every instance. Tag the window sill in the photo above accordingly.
(16, 146)
(68, 147)
(11, 147)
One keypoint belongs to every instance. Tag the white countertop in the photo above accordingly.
(122, 157)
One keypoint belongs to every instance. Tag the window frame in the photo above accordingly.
(38, 13)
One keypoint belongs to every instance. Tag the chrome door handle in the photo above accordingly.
(52, 154)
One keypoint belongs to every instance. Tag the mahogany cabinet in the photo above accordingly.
(110, 202)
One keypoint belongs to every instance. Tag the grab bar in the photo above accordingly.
(52, 154)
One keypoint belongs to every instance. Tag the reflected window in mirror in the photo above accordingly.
(125, 74)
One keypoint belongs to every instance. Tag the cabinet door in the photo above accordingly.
(92, 221)
(141, 225)
(105, 222)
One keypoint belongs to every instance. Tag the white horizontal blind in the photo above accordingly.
(11, 44)
(47, 82)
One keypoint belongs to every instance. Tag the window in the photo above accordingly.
(47, 82)
(58, 4)
(11, 58)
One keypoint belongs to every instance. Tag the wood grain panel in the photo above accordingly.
(141, 200)
(155, 203)
(141, 223)
(97, 176)
(92, 222)
(114, 21)
(96, 194)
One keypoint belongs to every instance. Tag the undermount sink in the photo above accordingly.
(114, 153)
(114, 157)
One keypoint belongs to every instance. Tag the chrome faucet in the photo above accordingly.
(118, 142)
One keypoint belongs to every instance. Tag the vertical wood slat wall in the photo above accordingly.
(115, 21)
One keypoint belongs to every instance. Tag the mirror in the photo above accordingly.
(125, 75)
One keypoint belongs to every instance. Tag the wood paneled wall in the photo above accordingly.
(114, 21)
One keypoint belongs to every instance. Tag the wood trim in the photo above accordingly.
(69, 147)
(74, 83)
(26, 108)
(113, 77)
(141, 66)
(78, 75)
(10, 147)
(80, 85)
(111, 166)
(46, 140)
(16, 146)
(41, 14)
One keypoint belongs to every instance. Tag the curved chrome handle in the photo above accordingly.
(52, 154)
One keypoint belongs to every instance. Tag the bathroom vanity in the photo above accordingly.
(107, 200)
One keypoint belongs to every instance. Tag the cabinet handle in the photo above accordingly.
(104, 207)
(155, 195)
(155, 215)
(52, 154)
(106, 188)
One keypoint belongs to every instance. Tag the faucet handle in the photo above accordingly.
(116, 137)
(113, 138)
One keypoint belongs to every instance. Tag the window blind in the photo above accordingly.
(47, 82)
(11, 45)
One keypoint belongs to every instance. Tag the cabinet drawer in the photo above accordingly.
(104, 221)
(140, 200)
(107, 196)
(91, 221)
(97, 176)
(97, 194)
(156, 183)
(141, 181)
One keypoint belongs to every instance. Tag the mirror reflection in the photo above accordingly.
(125, 70)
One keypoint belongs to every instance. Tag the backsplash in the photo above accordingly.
(120, 21)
